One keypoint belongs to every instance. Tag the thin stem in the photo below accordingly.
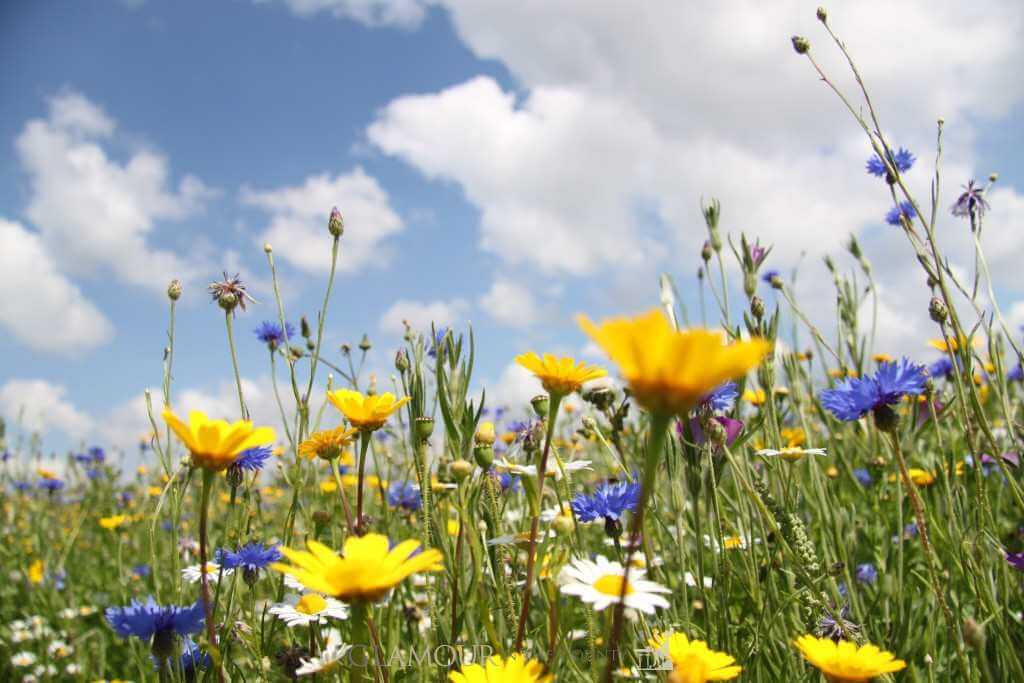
(228, 320)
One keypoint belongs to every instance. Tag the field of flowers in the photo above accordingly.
(711, 503)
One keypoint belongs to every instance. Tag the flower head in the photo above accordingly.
(311, 608)
(215, 444)
(901, 160)
(559, 376)
(600, 583)
(367, 569)
(230, 292)
(328, 444)
(971, 201)
(897, 213)
(113, 522)
(854, 397)
(790, 453)
(609, 502)
(402, 494)
(669, 371)
(722, 398)
(693, 661)
(866, 573)
(250, 558)
(845, 662)
(251, 459)
(943, 367)
(516, 668)
(366, 413)
(147, 619)
(1015, 560)
(273, 335)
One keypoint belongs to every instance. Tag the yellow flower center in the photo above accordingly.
(311, 603)
(611, 584)
(733, 542)
(791, 454)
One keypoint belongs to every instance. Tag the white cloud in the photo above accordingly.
(514, 388)
(298, 220)
(398, 13)
(94, 213)
(41, 406)
(39, 306)
(420, 315)
(510, 303)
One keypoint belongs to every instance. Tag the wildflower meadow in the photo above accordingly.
(739, 492)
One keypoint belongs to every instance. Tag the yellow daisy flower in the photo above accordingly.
(559, 376)
(515, 669)
(754, 397)
(953, 345)
(669, 371)
(215, 443)
(845, 662)
(693, 661)
(366, 413)
(882, 358)
(328, 444)
(35, 573)
(113, 522)
(366, 571)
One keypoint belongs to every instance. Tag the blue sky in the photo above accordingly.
(513, 165)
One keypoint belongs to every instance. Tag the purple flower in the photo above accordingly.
(1016, 560)
(863, 477)
(901, 160)
(866, 573)
(854, 397)
(721, 399)
(271, 333)
(609, 501)
(252, 459)
(732, 429)
(971, 202)
(770, 275)
(148, 620)
(943, 367)
(250, 558)
(402, 494)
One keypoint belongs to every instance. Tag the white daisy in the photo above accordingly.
(310, 608)
(193, 574)
(790, 453)
(59, 649)
(691, 580)
(72, 669)
(68, 613)
(600, 584)
(23, 659)
(329, 658)
(504, 465)
(733, 542)
(21, 635)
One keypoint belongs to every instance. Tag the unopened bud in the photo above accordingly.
(424, 427)
(267, 248)
(801, 45)
(974, 634)
(992, 177)
(822, 15)
(336, 225)
(937, 310)
(540, 404)
(483, 453)
(461, 469)
(227, 301)
(321, 517)
(364, 343)
(401, 361)
(563, 525)
(174, 290)
(757, 307)
(304, 327)
(705, 252)
(485, 434)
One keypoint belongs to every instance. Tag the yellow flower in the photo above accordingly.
(559, 376)
(669, 371)
(327, 444)
(328, 486)
(882, 358)
(921, 477)
(47, 474)
(756, 398)
(366, 412)
(693, 661)
(367, 569)
(215, 443)
(113, 522)
(845, 662)
(793, 436)
(35, 573)
(485, 434)
(453, 527)
(515, 669)
(154, 491)
(141, 470)
(954, 344)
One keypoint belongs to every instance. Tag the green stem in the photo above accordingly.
(228, 320)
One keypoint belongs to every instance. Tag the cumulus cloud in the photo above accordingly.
(510, 303)
(405, 14)
(298, 220)
(96, 215)
(35, 295)
(41, 406)
(420, 314)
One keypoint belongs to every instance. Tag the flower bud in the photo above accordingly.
(364, 343)
(461, 469)
(234, 476)
(886, 419)
(424, 427)
(563, 525)
(335, 224)
(174, 290)
(227, 301)
(267, 248)
(485, 434)
(801, 45)
(937, 310)
(992, 177)
(401, 361)
(974, 634)
(757, 307)
(822, 15)
(612, 527)
(705, 251)
(483, 453)
(322, 517)
(541, 403)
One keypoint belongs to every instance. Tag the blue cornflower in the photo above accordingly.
(863, 476)
(1016, 374)
(854, 397)
(141, 570)
(51, 485)
(770, 275)
(866, 573)
(250, 558)
(97, 454)
(5, 456)
(943, 367)
(723, 398)
(271, 334)
(896, 213)
(608, 502)
(509, 482)
(972, 201)
(94, 473)
(83, 458)
(147, 620)
(21, 485)
(439, 336)
(402, 494)
(901, 159)
(252, 459)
